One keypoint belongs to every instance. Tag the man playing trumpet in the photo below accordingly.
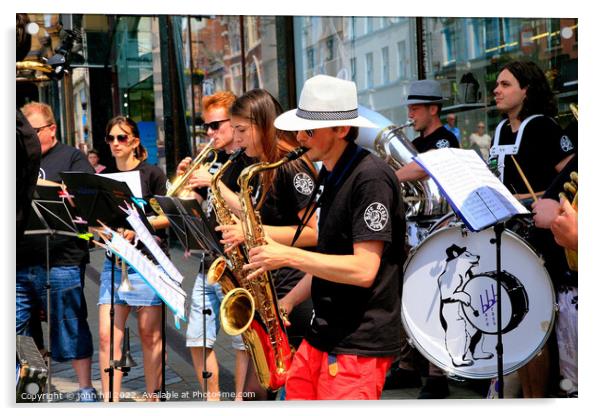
(216, 110)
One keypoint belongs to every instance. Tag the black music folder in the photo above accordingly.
(193, 228)
(101, 198)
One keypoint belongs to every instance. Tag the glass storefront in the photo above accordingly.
(158, 75)
(381, 55)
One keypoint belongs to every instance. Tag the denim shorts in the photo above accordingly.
(70, 336)
(213, 299)
(141, 294)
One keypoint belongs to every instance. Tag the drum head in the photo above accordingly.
(449, 301)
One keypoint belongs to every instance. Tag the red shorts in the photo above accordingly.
(316, 375)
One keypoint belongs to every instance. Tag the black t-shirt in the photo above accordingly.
(290, 193)
(542, 147)
(152, 182)
(543, 239)
(365, 205)
(64, 251)
(230, 177)
(28, 165)
(438, 139)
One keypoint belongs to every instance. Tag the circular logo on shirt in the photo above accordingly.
(566, 144)
(303, 183)
(42, 174)
(376, 216)
(442, 143)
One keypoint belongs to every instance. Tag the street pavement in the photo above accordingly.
(181, 381)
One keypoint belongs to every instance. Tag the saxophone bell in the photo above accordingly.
(237, 311)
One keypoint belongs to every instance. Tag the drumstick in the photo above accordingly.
(524, 178)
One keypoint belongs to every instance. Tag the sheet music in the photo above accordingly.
(132, 179)
(148, 240)
(476, 194)
(173, 295)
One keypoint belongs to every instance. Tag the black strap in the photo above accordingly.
(332, 181)
(309, 212)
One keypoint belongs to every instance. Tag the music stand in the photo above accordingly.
(52, 218)
(101, 198)
(498, 229)
(197, 234)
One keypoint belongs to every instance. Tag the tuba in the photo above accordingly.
(177, 184)
(253, 308)
(423, 197)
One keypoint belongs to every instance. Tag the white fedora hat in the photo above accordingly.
(325, 102)
(425, 91)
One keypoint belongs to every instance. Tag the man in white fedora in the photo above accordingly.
(355, 274)
(424, 103)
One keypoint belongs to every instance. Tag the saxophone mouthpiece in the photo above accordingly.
(237, 154)
(296, 153)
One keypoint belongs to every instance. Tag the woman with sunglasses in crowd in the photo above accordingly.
(281, 196)
(123, 138)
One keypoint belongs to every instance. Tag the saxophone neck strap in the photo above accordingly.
(329, 183)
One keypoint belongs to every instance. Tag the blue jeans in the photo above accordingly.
(213, 299)
(70, 336)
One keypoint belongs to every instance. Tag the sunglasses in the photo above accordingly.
(39, 129)
(310, 133)
(121, 138)
(214, 125)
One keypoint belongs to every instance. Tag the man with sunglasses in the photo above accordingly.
(216, 109)
(71, 339)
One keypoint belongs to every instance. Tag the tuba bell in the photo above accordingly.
(423, 197)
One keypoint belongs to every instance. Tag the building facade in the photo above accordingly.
(156, 69)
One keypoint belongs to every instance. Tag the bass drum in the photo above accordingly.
(449, 301)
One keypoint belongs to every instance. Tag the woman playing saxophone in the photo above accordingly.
(280, 195)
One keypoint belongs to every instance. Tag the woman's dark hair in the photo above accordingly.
(261, 109)
(140, 152)
(540, 98)
(94, 152)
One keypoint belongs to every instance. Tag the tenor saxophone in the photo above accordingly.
(252, 309)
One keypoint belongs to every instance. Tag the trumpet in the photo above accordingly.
(206, 157)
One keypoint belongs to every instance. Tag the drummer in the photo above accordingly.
(424, 102)
(541, 150)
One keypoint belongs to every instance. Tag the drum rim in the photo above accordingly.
(459, 371)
